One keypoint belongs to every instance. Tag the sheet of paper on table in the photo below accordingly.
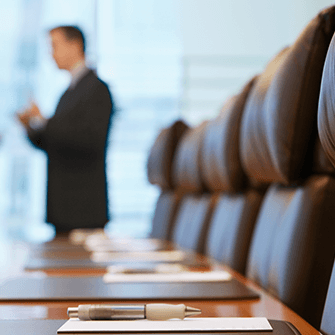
(119, 245)
(187, 325)
(187, 276)
(147, 268)
(147, 256)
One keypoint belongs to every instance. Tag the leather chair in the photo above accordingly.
(218, 211)
(326, 122)
(234, 215)
(184, 207)
(207, 169)
(328, 320)
(197, 204)
(291, 251)
(326, 111)
(292, 248)
(159, 167)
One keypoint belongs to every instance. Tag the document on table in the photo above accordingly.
(74, 326)
(147, 268)
(147, 256)
(122, 245)
(186, 276)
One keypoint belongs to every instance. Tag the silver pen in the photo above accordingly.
(132, 312)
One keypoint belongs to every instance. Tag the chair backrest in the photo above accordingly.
(166, 209)
(186, 169)
(278, 135)
(328, 319)
(159, 172)
(326, 111)
(196, 205)
(290, 244)
(159, 164)
(231, 225)
(292, 251)
(326, 123)
(221, 166)
(192, 221)
(231, 228)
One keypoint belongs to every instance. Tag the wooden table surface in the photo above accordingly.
(266, 306)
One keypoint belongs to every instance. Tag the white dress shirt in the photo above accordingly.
(78, 71)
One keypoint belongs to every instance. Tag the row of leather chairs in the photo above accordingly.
(326, 118)
(253, 187)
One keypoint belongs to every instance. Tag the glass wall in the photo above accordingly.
(161, 59)
(138, 54)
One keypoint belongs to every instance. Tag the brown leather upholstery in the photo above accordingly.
(328, 317)
(186, 170)
(326, 127)
(231, 228)
(326, 112)
(192, 221)
(220, 163)
(235, 213)
(253, 149)
(277, 138)
(325, 157)
(292, 249)
(196, 207)
(159, 168)
(177, 221)
(321, 162)
(210, 155)
(165, 212)
(161, 155)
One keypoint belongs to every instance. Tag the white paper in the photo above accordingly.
(147, 256)
(123, 245)
(187, 276)
(142, 268)
(186, 325)
(79, 236)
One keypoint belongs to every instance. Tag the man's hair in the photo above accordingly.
(72, 33)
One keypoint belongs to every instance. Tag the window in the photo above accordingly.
(134, 47)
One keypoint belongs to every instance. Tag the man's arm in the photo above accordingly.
(81, 132)
(34, 123)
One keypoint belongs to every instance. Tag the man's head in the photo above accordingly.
(68, 46)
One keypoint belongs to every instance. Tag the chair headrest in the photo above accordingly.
(277, 138)
(328, 321)
(326, 112)
(160, 159)
(253, 123)
(186, 169)
(321, 162)
(220, 164)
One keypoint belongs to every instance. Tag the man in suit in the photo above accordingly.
(75, 139)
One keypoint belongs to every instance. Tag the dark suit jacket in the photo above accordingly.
(75, 140)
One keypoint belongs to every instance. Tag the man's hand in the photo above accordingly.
(29, 113)
(24, 118)
(34, 111)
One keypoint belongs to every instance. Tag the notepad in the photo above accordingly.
(73, 326)
(187, 276)
(148, 256)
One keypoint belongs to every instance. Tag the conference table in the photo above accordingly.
(265, 306)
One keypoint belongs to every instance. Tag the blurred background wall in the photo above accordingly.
(163, 60)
